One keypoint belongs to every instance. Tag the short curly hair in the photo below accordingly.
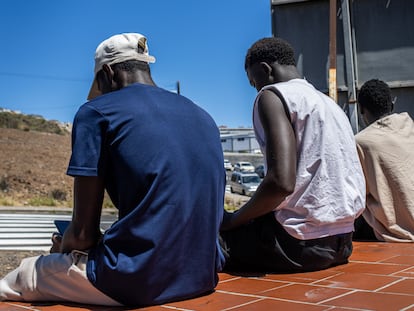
(270, 50)
(132, 66)
(375, 96)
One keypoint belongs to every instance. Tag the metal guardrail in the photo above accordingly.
(31, 231)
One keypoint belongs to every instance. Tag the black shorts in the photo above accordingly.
(263, 245)
(363, 231)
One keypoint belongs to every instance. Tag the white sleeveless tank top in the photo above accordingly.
(330, 185)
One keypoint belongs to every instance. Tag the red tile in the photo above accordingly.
(341, 309)
(306, 293)
(39, 306)
(248, 286)
(215, 301)
(225, 276)
(373, 301)
(155, 308)
(273, 304)
(371, 268)
(307, 277)
(20, 306)
(401, 260)
(358, 281)
(379, 251)
(401, 248)
(408, 273)
(380, 276)
(5, 306)
(403, 287)
(372, 256)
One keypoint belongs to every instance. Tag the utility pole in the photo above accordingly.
(350, 54)
(178, 87)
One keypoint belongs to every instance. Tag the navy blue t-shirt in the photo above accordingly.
(161, 158)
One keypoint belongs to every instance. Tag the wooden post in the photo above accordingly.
(332, 50)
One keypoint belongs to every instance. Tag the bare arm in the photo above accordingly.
(280, 178)
(84, 230)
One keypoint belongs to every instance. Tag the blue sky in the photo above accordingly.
(47, 49)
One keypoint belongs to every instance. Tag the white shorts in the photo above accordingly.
(54, 277)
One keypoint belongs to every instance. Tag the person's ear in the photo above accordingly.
(105, 79)
(266, 68)
(269, 72)
(109, 73)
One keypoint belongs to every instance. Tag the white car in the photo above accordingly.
(244, 167)
(227, 165)
(244, 183)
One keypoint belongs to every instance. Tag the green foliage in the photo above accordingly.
(232, 204)
(107, 202)
(6, 201)
(29, 123)
(230, 208)
(42, 201)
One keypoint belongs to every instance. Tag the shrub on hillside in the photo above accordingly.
(29, 123)
(4, 185)
(58, 194)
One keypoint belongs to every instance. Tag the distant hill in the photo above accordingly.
(34, 155)
(16, 120)
(33, 168)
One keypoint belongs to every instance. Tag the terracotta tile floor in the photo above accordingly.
(380, 276)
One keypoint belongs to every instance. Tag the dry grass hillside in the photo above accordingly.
(32, 168)
(34, 154)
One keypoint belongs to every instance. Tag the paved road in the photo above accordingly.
(32, 231)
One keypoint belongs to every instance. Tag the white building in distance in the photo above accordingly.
(240, 140)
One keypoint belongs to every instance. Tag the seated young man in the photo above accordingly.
(386, 151)
(301, 217)
(142, 144)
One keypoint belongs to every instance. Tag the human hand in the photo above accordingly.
(56, 242)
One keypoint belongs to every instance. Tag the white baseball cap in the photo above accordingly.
(118, 49)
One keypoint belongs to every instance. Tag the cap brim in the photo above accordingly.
(94, 91)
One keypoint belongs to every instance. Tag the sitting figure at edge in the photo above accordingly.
(301, 218)
(386, 151)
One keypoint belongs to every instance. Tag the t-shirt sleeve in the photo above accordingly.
(88, 133)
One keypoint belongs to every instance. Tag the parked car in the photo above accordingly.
(244, 183)
(260, 170)
(227, 165)
(244, 167)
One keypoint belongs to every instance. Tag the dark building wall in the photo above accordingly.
(382, 37)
